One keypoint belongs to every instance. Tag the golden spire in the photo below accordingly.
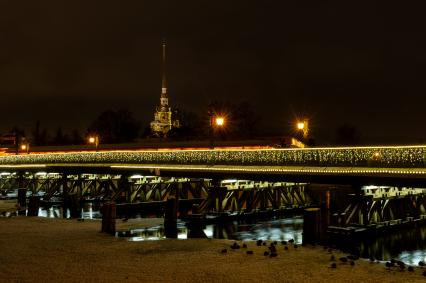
(163, 82)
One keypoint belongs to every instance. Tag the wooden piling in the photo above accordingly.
(33, 205)
(311, 225)
(22, 200)
(109, 211)
(74, 205)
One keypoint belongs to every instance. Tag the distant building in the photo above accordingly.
(164, 121)
(8, 140)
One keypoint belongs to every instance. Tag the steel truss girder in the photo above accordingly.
(393, 205)
(222, 199)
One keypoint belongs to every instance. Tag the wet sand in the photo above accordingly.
(57, 250)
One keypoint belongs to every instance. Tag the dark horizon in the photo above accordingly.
(336, 63)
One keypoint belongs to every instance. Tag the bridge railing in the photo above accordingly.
(390, 156)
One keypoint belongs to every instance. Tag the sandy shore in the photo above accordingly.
(56, 250)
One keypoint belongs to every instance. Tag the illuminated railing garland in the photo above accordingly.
(392, 157)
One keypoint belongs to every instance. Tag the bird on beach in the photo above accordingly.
(259, 243)
(286, 248)
(291, 241)
(272, 248)
(333, 265)
(295, 246)
(235, 246)
(343, 259)
(389, 264)
(266, 253)
(273, 254)
(422, 263)
(352, 263)
(224, 251)
(284, 242)
(244, 246)
(249, 252)
(410, 269)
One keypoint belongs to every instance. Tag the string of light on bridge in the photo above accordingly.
(392, 156)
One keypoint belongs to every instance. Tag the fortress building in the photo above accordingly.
(163, 119)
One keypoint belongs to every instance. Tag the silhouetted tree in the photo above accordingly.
(18, 131)
(36, 134)
(115, 126)
(40, 136)
(60, 138)
(190, 126)
(347, 135)
(246, 120)
(76, 138)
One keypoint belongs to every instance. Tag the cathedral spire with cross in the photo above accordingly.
(163, 120)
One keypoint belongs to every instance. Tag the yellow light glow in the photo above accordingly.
(91, 140)
(300, 125)
(220, 121)
(24, 147)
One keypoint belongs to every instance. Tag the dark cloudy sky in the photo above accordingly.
(357, 62)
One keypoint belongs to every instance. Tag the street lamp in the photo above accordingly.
(25, 147)
(303, 126)
(95, 141)
(220, 121)
(216, 121)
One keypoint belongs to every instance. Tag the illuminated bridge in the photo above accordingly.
(363, 165)
(227, 180)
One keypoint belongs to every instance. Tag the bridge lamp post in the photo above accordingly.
(95, 141)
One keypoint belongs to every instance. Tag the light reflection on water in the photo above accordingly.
(408, 246)
(273, 230)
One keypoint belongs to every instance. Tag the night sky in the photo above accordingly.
(64, 62)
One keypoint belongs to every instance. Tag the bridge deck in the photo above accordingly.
(386, 162)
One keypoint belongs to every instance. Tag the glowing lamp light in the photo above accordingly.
(24, 147)
(300, 125)
(91, 140)
(376, 154)
(220, 121)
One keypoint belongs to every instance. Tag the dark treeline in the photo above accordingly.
(120, 126)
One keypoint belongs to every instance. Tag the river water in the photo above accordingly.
(408, 245)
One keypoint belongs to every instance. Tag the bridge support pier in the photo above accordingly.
(170, 218)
